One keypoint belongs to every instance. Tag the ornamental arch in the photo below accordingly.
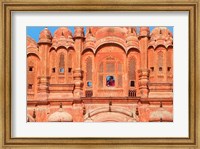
(110, 65)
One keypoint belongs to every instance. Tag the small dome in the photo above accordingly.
(132, 38)
(62, 31)
(164, 31)
(45, 36)
(111, 31)
(155, 31)
(30, 42)
(60, 116)
(90, 37)
(161, 114)
(93, 29)
(144, 31)
(132, 31)
(70, 39)
(62, 39)
(161, 36)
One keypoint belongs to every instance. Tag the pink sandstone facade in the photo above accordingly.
(109, 74)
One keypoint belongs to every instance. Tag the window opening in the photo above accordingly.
(30, 68)
(69, 70)
(62, 70)
(110, 81)
(30, 86)
(168, 68)
(132, 83)
(88, 93)
(152, 69)
(62, 63)
(53, 70)
(89, 84)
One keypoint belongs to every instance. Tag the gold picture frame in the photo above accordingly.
(192, 142)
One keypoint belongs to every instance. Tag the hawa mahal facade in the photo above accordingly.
(108, 74)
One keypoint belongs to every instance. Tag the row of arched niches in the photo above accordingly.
(110, 58)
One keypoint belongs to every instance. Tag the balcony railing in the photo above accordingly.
(88, 93)
(132, 93)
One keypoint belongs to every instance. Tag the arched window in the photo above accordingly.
(151, 58)
(132, 76)
(120, 72)
(160, 61)
(53, 61)
(70, 63)
(30, 66)
(62, 63)
(110, 72)
(89, 72)
(132, 70)
(169, 60)
(101, 67)
(100, 75)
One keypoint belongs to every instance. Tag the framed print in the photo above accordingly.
(100, 74)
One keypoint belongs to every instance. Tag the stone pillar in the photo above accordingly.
(144, 72)
(78, 73)
(43, 78)
(143, 82)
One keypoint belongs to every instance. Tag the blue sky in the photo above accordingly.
(34, 31)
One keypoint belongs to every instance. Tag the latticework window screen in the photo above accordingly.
(160, 59)
(69, 62)
(101, 80)
(120, 80)
(53, 59)
(110, 67)
(131, 69)
(89, 69)
(119, 67)
(62, 61)
(101, 67)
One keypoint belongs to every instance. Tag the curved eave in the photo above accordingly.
(136, 48)
(155, 45)
(53, 48)
(90, 46)
(31, 42)
(70, 45)
(62, 46)
(110, 39)
(33, 52)
(65, 46)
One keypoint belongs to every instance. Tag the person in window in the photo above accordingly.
(110, 81)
